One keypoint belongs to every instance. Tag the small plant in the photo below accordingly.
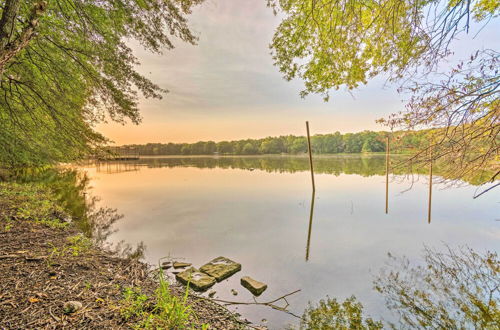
(133, 303)
(79, 244)
(8, 224)
(165, 311)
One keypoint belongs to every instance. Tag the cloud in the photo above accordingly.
(227, 87)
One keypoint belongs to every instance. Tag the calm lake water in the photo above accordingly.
(256, 211)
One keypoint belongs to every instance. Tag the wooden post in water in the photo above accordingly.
(387, 151)
(430, 186)
(310, 156)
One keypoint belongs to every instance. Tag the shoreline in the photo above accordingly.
(305, 155)
(47, 263)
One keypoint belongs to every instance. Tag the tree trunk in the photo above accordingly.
(11, 45)
(7, 22)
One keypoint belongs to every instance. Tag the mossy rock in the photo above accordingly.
(255, 287)
(197, 280)
(221, 268)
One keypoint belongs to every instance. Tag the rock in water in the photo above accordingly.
(197, 280)
(253, 286)
(72, 306)
(181, 264)
(221, 268)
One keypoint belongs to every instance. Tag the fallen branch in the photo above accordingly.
(270, 303)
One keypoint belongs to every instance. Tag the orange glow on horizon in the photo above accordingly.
(215, 129)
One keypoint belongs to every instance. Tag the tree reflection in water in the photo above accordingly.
(72, 191)
(455, 289)
(364, 165)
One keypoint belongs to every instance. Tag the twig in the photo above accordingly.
(7, 256)
(485, 191)
(255, 302)
(267, 303)
(53, 316)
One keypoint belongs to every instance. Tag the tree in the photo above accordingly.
(186, 149)
(271, 146)
(372, 142)
(210, 147)
(224, 147)
(352, 143)
(249, 149)
(464, 111)
(299, 145)
(65, 65)
(330, 44)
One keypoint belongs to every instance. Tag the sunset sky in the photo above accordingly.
(226, 87)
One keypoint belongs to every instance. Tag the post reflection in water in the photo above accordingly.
(310, 225)
(112, 167)
(429, 212)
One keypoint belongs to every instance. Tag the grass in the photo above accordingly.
(164, 311)
(30, 202)
(79, 244)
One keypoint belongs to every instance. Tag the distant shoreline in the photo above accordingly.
(371, 154)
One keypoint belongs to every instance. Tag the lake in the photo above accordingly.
(256, 211)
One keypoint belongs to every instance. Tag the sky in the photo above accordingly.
(226, 87)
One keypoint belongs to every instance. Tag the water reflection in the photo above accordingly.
(311, 212)
(198, 208)
(111, 167)
(73, 192)
(364, 165)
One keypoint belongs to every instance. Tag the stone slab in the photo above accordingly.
(255, 287)
(221, 268)
(178, 264)
(197, 280)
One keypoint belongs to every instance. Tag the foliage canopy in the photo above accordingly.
(66, 65)
(329, 44)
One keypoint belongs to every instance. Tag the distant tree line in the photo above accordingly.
(362, 142)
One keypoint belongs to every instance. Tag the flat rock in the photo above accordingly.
(197, 280)
(181, 264)
(166, 266)
(253, 286)
(221, 268)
